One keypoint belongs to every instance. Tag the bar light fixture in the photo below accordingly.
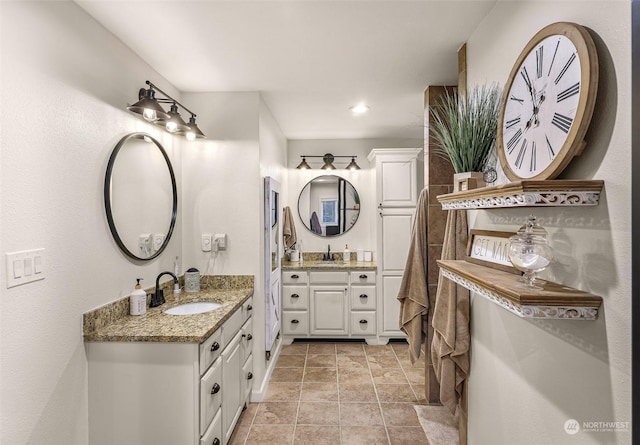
(148, 106)
(328, 159)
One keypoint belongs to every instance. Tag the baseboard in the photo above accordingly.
(257, 395)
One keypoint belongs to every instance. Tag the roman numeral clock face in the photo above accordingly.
(547, 104)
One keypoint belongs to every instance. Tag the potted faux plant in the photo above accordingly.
(465, 129)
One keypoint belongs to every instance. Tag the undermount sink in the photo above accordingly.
(198, 307)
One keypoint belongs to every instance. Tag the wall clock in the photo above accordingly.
(547, 103)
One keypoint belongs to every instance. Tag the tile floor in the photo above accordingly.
(338, 393)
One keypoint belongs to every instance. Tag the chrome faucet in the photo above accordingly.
(328, 256)
(158, 297)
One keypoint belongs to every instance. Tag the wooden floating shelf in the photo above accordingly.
(551, 193)
(553, 301)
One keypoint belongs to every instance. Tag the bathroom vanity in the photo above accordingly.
(171, 379)
(323, 299)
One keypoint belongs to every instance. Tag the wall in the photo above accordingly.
(65, 84)
(363, 233)
(529, 377)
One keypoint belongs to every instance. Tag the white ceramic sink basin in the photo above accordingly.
(198, 307)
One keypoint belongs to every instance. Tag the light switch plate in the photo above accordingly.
(24, 267)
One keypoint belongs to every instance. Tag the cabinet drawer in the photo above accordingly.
(363, 298)
(247, 374)
(329, 277)
(294, 277)
(363, 323)
(247, 308)
(295, 323)
(213, 436)
(295, 297)
(231, 327)
(247, 338)
(210, 350)
(363, 277)
(210, 394)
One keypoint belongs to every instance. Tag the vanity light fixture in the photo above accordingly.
(328, 159)
(148, 106)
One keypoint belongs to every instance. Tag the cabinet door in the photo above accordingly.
(391, 306)
(395, 228)
(397, 181)
(329, 310)
(232, 385)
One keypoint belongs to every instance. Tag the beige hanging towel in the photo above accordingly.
(414, 300)
(289, 229)
(451, 338)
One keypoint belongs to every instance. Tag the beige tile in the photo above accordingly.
(350, 348)
(321, 361)
(401, 392)
(420, 392)
(383, 361)
(399, 414)
(352, 361)
(283, 392)
(319, 375)
(383, 375)
(319, 392)
(239, 435)
(378, 350)
(364, 435)
(270, 435)
(270, 413)
(318, 413)
(360, 414)
(317, 435)
(294, 349)
(290, 361)
(287, 375)
(400, 347)
(405, 435)
(354, 375)
(416, 376)
(322, 348)
(247, 415)
(357, 392)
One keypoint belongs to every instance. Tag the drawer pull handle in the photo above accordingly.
(364, 296)
(249, 336)
(216, 441)
(215, 389)
(215, 346)
(295, 276)
(295, 296)
(249, 376)
(295, 321)
(363, 276)
(363, 321)
(249, 308)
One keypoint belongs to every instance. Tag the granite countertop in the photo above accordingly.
(328, 265)
(112, 323)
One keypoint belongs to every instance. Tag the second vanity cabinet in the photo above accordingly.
(329, 304)
(169, 392)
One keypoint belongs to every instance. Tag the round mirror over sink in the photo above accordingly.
(329, 205)
(140, 196)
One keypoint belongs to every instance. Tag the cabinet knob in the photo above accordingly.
(249, 308)
(295, 321)
(249, 376)
(295, 296)
(295, 276)
(215, 389)
(363, 321)
(216, 441)
(249, 336)
(363, 277)
(364, 296)
(215, 346)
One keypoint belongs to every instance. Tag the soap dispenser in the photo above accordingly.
(346, 255)
(138, 300)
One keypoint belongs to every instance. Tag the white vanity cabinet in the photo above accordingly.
(171, 393)
(329, 304)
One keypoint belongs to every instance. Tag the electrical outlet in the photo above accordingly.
(220, 239)
(206, 242)
(158, 239)
(145, 243)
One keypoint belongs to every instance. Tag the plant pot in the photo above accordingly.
(467, 181)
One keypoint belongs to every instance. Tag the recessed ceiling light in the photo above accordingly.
(359, 109)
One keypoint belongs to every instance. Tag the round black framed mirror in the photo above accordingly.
(140, 196)
(329, 205)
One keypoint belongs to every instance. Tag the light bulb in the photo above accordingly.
(190, 135)
(172, 127)
(149, 114)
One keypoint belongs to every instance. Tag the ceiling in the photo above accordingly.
(310, 60)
